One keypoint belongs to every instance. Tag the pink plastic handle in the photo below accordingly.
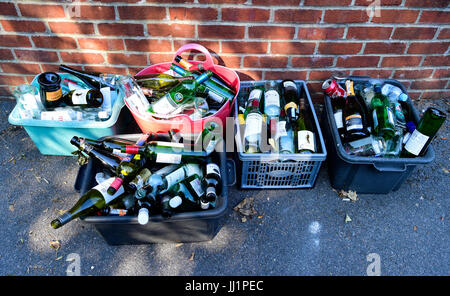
(209, 62)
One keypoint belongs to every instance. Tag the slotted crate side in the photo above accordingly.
(261, 170)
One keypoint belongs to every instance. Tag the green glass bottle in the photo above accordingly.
(160, 81)
(304, 135)
(354, 117)
(94, 200)
(125, 172)
(182, 93)
(383, 117)
(422, 136)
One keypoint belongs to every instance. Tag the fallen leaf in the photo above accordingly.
(192, 257)
(46, 181)
(60, 212)
(11, 207)
(55, 244)
(46, 210)
(178, 245)
(59, 258)
(243, 219)
(260, 217)
(245, 207)
(350, 195)
(347, 218)
(415, 228)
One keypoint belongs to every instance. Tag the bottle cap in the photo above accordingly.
(143, 216)
(377, 88)
(241, 119)
(403, 97)
(175, 202)
(410, 126)
(204, 205)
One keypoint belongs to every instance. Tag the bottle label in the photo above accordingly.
(338, 119)
(271, 97)
(175, 177)
(131, 149)
(288, 83)
(168, 158)
(212, 168)
(56, 115)
(196, 185)
(138, 103)
(353, 122)
(163, 105)
(281, 130)
(416, 142)
(118, 212)
(103, 187)
(116, 183)
(53, 95)
(375, 119)
(253, 124)
(79, 97)
(255, 94)
(215, 97)
(306, 141)
(390, 116)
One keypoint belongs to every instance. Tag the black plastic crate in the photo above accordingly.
(361, 173)
(181, 227)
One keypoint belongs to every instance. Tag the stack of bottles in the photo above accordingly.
(274, 119)
(375, 119)
(185, 88)
(149, 177)
(76, 96)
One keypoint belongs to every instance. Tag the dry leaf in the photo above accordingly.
(60, 212)
(46, 210)
(55, 244)
(350, 195)
(178, 245)
(243, 219)
(347, 218)
(415, 227)
(59, 258)
(11, 207)
(192, 257)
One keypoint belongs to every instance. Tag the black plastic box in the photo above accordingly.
(181, 227)
(366, 174)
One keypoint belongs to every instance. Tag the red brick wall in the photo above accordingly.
(262, 39)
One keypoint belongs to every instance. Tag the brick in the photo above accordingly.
(246, 75)
(121, 29)
(215, 1)
(127, 59)
(298, 15)
(382, 2)
(374, 73)
(197, 14)
(5, 91)
(82, 58)
(23, 26)
(428, 84)
(345, 16)
(326, 2)
(94, 12)
(50, 67)
(37, 55)
(171, 30)
(245, 14)
(322, 75)
(357, 61)
(106, 69)
(42, 10)
(409, 33)
(71, 27)
(312, 62)
(265, 62)
(148, 45)
(320, 33)
(428, 47)
(436, 94)
(442, 73)
(14, 40)
(271, 32)
(244, 47)
(402, 61)
(142, 13)
(211, 46)
(396, 16)
(11, 79)
(437, 61)
(156, 58)
(54, 42)
(385, 47)
(228, 61)
(426, 3)
(292, 47)
(101, 44)
(413, 74)
(314, 87)
(221, 31)
(339, 48)
(21, 68)
(435, 17)
(444, 34)
(288, 74)
(8, 9)
(369, 32)
(6, 54)
(276, 2)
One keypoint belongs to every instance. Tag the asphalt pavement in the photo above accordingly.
(295, 232)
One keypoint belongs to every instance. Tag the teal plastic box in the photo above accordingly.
(53, 137)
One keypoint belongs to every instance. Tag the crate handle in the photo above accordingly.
(390, 167)
(231, 172)
(209, 62)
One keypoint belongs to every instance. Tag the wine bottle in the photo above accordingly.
(169, 205)
(92, 201)
(285, 135)
(126, 171)
(305, 136)
(212, 180)
(290, 93)
(188, 202)
(109, 211)
(108, 160)
(140, 179)
(84, 98)
(271, 100)
(180, 94)
(253, 123)
(383, 117)
(354, 117)
(93, 79)
(144, 210)
(160, 81)
(424, 133)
